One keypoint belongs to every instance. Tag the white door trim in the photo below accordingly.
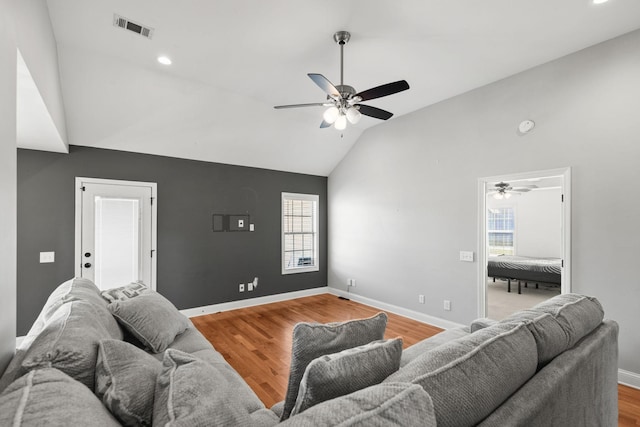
(154, 220)
(565, 287)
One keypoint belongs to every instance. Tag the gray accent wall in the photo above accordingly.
(404, 201)
(196, 267)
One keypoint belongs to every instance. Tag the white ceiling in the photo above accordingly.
(234, 60)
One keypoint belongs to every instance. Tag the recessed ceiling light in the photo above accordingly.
(164, 60)
(599, 1)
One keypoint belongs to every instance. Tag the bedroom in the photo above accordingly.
(524, 229)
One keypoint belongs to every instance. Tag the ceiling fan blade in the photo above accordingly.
(384, 90)
(325, 124)
(314, 104)
(324, 84)
(374, 112)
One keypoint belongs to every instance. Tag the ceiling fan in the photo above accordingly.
(343, 101)
(504, 191)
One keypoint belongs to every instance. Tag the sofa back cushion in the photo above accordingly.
(192, 392)
(469, 377)
(49, 397)
(558, 323)
(382, 405)
(69, 341)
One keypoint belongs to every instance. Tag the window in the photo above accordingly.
(500, 229)
(299, 233)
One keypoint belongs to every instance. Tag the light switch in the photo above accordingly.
(252, 227)
(466, 256)
(46, 257)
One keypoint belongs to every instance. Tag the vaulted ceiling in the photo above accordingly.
(234, 60)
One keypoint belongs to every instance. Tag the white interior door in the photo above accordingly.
(115, 232)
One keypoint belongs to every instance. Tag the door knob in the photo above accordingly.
(87, 254)
(87, 265)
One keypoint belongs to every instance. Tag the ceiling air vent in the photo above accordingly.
(127, 24)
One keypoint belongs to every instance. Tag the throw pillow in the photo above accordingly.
(312, 340)
(49, 397)
(126, 381)
(125, 292)
(192, 393)
(391, 404)
(338, 374)
(151, 318)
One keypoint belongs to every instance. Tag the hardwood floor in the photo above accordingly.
(256, 341)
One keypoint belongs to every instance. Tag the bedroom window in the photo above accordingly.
(500, 227)
(299, 233)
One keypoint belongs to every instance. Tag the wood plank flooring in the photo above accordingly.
(256, 341)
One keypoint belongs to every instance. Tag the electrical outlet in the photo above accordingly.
(47, 257)
(241, 287)
(447, 305)
(421, 299)
(351, 282)
(250, 286)
(255, 282)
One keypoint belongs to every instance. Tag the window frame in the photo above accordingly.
(512, 231)
(316, 233)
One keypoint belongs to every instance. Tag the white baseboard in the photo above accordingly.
(411, 314)
(251, 302)
(629, 378)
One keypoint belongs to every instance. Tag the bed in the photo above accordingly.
(525, 269)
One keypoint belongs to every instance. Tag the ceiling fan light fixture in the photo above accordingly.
(341, 122)
(507, 195)
(331, 114)
(498, 196)
(353, 115)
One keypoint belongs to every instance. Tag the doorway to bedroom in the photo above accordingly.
(524, 236)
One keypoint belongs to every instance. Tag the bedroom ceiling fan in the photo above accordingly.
(504, 191)
(343, 102)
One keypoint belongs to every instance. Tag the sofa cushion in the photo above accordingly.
(126, 381)
(471, 376)
(48, 397)
(151, 318)
(312, 340)
(191, 392)
(125, 292)
(335, 375)
(76, 289)
(383, 405)
(408, 354)
(69, 342)
(558, 323)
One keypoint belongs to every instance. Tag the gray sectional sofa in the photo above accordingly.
(128, 357)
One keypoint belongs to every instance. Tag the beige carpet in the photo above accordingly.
(502, 303)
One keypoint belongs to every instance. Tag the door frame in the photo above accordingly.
(565, 286)
(154, 221)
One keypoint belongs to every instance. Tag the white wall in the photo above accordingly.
(7, 185)
(403, 202)
(24, 25)
(538, 222)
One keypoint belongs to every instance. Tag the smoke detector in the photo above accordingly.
(135, 27)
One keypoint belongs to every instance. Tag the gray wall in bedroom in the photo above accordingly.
(196, 267)
(404, 201)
